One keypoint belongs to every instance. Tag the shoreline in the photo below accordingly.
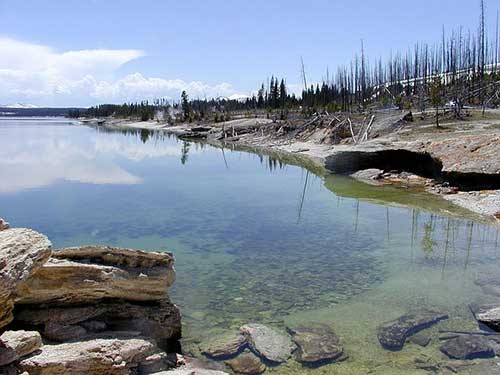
(322, 159)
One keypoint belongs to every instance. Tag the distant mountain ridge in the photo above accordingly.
(28, 110)
(19, 105)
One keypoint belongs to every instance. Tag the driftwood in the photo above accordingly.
(352, 132)
(367, 130)
(454, 334)
(302, 127)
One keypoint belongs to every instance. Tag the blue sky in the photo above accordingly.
(84, 52)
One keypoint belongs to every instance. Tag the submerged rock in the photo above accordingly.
(268, 343)
(468, 347)
(490, 284)
(225, 346)
(189, 370)
(421, 340)
(22, 252)
(368, 175)
(316, 343)
(392, 335)
(100, 356)
(489, 315)
(17, 344)
(91, 274)
(246, 363)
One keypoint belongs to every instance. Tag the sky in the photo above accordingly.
(86, 52)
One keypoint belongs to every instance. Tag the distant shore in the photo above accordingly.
(459, 161)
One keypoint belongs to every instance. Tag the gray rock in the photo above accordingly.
(268, 343)
(225, 346)
(17, 344)
(468, 347)
(316, 343)
(489, 315)
(490, 284)
(246, 363)
(421, 340)
(94, 326)
(392, 335)
(22, 251)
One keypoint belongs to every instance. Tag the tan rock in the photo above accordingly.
(17, 344)
(22, 252)
(247, 363)
(90, 274)
(224, 346)
(99, 357)
(156, 362)
(3, 224)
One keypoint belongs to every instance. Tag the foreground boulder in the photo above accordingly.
(99, 356)
(468, 347)
(316, 343)
(17, 344)
(392, 335)
(22, 252)
(268, 343)
(90, 274)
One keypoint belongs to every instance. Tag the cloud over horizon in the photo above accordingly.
(37, 74)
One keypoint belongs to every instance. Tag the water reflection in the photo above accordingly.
(185, 152)
(42, 155)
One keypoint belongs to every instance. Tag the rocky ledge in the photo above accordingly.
(96, 309)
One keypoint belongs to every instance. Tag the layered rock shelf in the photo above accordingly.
(90, 309)
(22, 252)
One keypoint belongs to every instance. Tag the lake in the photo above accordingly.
(255, 239)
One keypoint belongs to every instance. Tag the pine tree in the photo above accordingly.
(186, 109)
(283, 94)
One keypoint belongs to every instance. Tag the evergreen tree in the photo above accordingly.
(283, 94)
(186, 108)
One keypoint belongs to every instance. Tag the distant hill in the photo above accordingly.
(24, 111)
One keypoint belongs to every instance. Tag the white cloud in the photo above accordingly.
(38, 74)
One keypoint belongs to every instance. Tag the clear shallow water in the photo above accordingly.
(255, 239)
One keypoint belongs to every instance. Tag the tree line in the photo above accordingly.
(461, 69)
